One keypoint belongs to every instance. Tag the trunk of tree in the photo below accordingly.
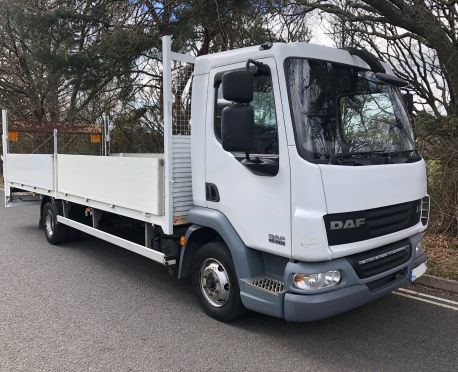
(420, 20)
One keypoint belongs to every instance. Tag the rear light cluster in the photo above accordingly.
(424, 210)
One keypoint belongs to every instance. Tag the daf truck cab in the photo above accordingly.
(304, 163)
(297, 192)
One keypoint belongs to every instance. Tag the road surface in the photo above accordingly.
(89, 305)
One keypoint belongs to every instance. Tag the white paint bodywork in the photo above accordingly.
(357, 188)
(279, 51)
(31, 170)
(255, 205)
(308, 206)
(131, 183)
(198, 126)
(315, 190)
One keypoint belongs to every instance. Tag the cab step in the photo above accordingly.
(267, 284)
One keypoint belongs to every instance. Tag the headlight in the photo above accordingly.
(317, 281)
(419, 248)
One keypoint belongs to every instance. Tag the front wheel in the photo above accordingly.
(55, 232)
(215, 282)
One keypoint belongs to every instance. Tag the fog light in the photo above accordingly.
(317, 281)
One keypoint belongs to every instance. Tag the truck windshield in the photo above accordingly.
(345, 115)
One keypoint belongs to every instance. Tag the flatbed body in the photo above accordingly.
(131, 185)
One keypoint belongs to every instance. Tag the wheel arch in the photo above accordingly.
(196, 236)
(44, 200)
(212, 225)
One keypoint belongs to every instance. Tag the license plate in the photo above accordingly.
(417, 272)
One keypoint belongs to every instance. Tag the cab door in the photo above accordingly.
(256, 203)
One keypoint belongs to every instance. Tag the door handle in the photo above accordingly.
(211, 192)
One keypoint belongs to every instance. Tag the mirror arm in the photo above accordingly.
(259, 66)
(262, 167)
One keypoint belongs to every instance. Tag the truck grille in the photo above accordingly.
(379, 260)
(382, 221)
(349, 227)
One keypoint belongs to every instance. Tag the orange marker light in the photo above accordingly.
(96, 138)
(13, 136)
(182, 240)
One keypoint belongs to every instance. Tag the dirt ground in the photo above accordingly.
(442, 253)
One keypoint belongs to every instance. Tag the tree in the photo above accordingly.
(72, 60)
(66, 60)
(198, 27)
(419, 34)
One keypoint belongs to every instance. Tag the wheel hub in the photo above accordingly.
(49, 223)
(214, 282)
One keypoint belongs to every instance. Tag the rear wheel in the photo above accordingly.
(215, 282)
(55, 232)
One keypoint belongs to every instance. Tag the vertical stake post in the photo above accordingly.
(106, 134)
(167, 107)
(55, 162)
(102, 145)
(5, 153)
(105, 121)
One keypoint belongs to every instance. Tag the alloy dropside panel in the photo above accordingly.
(35, 170)
(131, 183)
(128, 186)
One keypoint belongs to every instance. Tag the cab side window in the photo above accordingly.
(265, 118)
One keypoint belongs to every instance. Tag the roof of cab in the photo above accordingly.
(280, 51)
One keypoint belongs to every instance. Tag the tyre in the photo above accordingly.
(56, 233)
(215, 282)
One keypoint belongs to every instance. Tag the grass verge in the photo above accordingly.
(442, 253)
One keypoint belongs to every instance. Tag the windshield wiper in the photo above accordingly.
(366, 154)
(355, 154)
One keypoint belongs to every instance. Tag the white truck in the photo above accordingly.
(296, 191)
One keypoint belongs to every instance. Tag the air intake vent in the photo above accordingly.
(267, 284)
(379, 260)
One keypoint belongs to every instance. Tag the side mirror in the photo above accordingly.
(237, 128)
(237, 120)
(238, 86)
(408, 101)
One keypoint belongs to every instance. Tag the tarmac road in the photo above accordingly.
(89, 305)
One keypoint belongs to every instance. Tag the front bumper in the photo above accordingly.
(304, 308)
(295, 305)
(350, 293)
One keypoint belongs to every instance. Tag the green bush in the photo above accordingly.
(437, 142)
